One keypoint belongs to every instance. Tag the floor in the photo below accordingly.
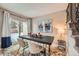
(13, 50)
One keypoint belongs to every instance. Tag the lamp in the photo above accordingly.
(60, 32)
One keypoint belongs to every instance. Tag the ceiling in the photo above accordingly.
(34, 9)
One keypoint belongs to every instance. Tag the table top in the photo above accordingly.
(44, 39)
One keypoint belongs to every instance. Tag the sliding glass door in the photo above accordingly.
(17, 28)
(23, 30)
(14, 30)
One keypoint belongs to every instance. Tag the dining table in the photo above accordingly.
(47, 40)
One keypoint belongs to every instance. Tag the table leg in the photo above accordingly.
(49, 50)
(44, 50)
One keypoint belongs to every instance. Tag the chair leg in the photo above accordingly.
(3, 52)
(23, 52)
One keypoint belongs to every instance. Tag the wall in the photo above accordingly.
(58, 21)
(37, 21)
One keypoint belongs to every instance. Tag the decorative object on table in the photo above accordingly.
(39, 35)
(34, 35)
(30, 34)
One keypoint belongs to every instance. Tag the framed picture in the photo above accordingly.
(48, 27)
(45, 26)
(40, 27)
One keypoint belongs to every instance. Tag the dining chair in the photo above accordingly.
(62, 45)
(15, 52)
(36, 49)
(23, 45)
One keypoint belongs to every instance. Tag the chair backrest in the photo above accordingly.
(16, 52)
(61, 42)
(21, 42)
(34, 47)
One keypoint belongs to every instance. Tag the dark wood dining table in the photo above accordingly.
(47, 40)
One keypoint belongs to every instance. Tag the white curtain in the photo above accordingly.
(5, 38)
(6, 25)
(1, 21)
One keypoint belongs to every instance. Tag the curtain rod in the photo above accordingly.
(15, 14)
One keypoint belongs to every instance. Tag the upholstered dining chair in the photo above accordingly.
(62, 44)
(36, 49)
(23, 45)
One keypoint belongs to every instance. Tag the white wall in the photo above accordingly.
(58, 20)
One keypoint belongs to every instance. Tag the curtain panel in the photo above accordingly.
(5, 34)
(1, 22)
(6, 39)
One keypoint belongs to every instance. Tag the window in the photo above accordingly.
(17, 28)
(14, 29)
(14, 26)
(23, 28)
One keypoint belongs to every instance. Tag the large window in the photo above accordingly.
(14, 29)
(17, 28)
(14, 26)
